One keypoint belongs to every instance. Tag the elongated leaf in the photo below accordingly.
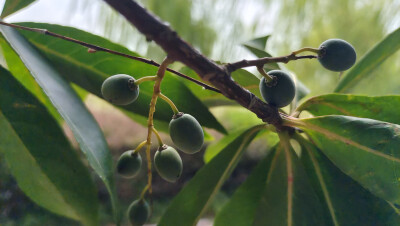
(89, 70)
(371, 60)
(22, 74)
(213, 149)
(365, 149)
(211, 99)
(45, 166)
(258, 43)
(11, 6)
(241, 208)
(71, 108)
(197, 195)
(288, 198)
(383, 108)
(257, 47)
(336, 189)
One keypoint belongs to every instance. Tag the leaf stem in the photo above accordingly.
(95, 48)
(306, 49)
(160, 142)
(145, 79)
(150, 125)
(169, 101)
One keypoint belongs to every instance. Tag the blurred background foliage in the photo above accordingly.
(217, 29)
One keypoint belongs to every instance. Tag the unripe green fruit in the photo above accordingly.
(120, 89)
(168, 163)
(129, 164)
(186, 133)
(337, 55)
(279, 92)
(139, 212)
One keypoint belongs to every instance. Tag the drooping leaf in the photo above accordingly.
(213, 99)
(364, 149)
(258, 43)
(215, 148)
(371, 60)
(22, 74)
(197, 195)
(89, 70)
(288, 198)
(71, 108)
(346, 202)
(42, 161)
(241, 208)
(12, 6)
(383, 108)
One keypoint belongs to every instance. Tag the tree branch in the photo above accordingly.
(179, 50)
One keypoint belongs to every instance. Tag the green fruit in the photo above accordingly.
(120, 89)
(139, 212)
(168, 163)
(337, 55)
(129, 164)
(281, 91)
(186, 133)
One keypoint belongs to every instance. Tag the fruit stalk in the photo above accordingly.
(150, 125)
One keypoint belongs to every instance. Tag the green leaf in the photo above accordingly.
(383, 108)
(196, 196)
(71, 108)
(257, 47)
(241, 208)
(371, 60)
(89, 70)
(288, 198)
(364, 149)
(45, 166)
(22, 74)
(12, 6)
(212, 99)
(336, 189)
(258, 43)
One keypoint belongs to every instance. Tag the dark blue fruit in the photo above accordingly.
(139, 212)
(120, 89)
(129, 164)
(279, 92)
(186, 133)
(337, 55)
(168, 163)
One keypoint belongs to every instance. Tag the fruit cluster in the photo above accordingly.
(185, 131)
(278, 87)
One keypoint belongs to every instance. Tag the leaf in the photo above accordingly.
(22, 74)
(364, 149)
(12, 6)
(257, 47)
(71, 108)
(212, 99)
(371, 60)
(196, 196)
(288, 198)
(383, 108)
(89, 70)
(258, 43)
(336, 189)
(241, 208)
(45, 166)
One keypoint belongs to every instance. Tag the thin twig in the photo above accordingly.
(231, 67)
(94, 48)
